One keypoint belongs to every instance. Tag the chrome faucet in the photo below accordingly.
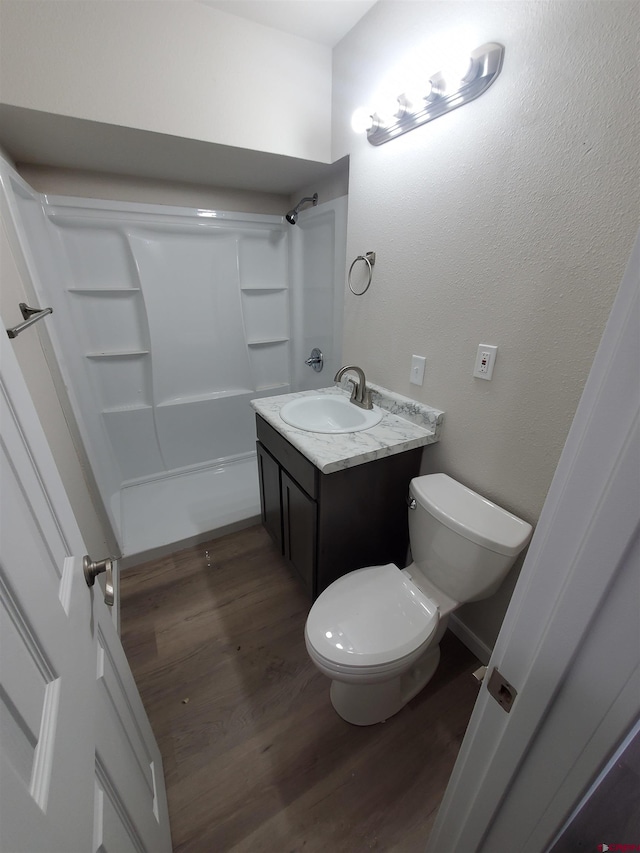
(360, 394)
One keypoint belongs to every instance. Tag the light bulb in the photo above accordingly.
(362, 120)
(452, 76)
(412, 100)
(388, 109)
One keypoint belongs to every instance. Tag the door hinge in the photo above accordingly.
(503, 692)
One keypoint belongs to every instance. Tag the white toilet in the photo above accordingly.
(375, 632)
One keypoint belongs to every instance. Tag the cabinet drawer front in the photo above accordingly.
(298, 466)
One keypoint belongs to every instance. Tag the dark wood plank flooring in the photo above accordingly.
(255, 757)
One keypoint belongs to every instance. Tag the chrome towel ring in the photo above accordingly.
(370, 260)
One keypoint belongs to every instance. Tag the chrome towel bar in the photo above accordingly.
(31, 316)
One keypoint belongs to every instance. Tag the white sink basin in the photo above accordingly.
(328, 413)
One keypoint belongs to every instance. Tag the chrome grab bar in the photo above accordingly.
(31, 316)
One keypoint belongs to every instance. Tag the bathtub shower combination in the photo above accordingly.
(166, 322)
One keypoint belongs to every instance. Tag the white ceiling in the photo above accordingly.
(322, 21)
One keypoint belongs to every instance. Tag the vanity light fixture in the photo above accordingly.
(445, 91)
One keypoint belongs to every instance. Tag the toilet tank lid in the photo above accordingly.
(470, 515)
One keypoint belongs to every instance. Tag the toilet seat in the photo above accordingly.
(371, 618)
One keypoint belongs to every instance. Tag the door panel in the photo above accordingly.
(79, 766)
(126, 752)
(45, 669)
(112, 832)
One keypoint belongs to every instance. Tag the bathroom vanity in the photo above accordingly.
(337, 502)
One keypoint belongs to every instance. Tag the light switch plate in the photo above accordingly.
(416, 376)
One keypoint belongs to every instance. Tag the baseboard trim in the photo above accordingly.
(470, 640)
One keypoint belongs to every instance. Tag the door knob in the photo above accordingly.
(91, 572)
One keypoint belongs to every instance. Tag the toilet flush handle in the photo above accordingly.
(411, 502)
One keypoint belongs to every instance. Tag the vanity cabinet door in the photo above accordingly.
(299, 528)
(270, 499)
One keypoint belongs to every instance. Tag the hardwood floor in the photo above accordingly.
(255, 757)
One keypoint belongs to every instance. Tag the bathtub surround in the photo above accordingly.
(167, 321)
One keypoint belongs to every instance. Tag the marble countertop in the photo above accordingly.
(405, 425)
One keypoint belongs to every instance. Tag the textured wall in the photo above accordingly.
(508, 221)
(180, 68)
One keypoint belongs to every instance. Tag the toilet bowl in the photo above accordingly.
(375, 632)
(371, 633)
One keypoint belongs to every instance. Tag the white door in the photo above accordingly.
(79, 766)
(570, 642)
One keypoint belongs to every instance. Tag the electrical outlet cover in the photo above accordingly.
(485, 361)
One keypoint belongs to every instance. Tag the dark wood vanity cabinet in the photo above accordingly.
(329, 524)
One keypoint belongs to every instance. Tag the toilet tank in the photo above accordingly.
(461, 542)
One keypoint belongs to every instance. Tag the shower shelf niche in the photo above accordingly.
(205, 397)
(266, 341)
(103, 290)
(274, 388)
(134, 407)
(266, 289)
(123, 354)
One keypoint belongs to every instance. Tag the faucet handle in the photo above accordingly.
(360, 394)
(315, 360)
(355, 385)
